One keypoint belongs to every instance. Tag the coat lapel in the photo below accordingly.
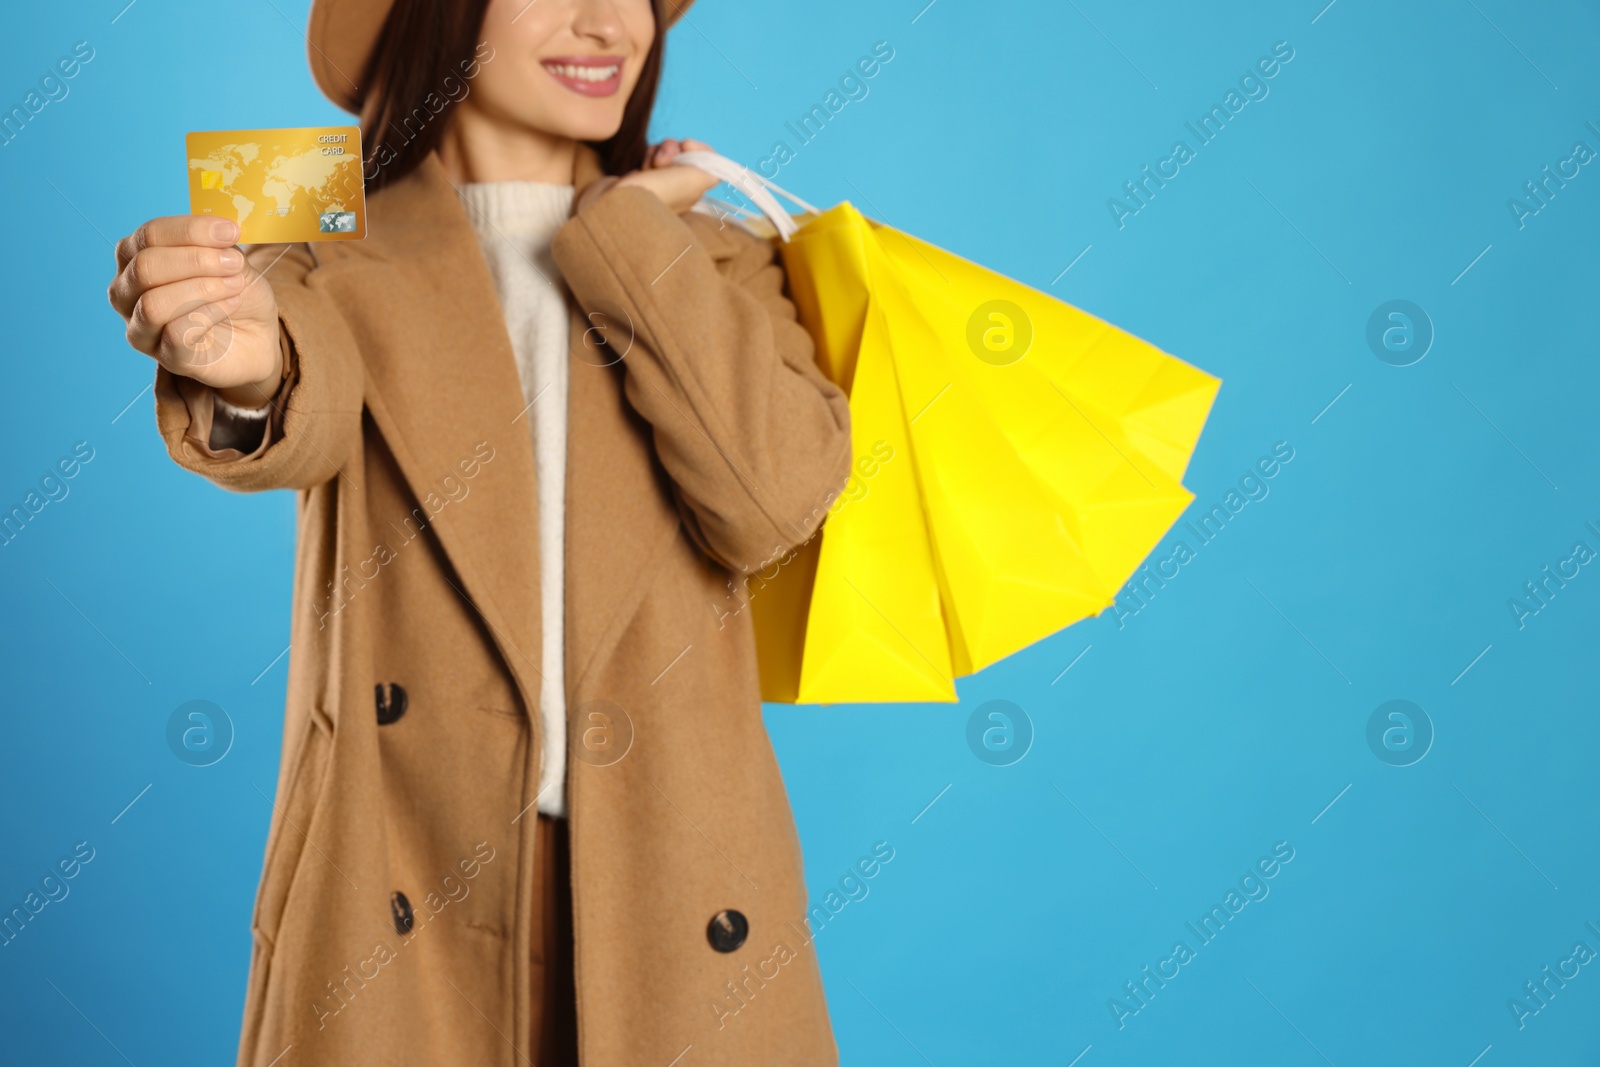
(447, 380)
(444, 382)
(619, 517)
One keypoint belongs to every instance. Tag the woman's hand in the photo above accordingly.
(192, 302)
(680, 188)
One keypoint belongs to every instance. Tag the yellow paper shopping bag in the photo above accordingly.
(1016, 460)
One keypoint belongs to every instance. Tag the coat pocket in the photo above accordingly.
(292, 815)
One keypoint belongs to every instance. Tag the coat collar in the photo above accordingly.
(447, 380)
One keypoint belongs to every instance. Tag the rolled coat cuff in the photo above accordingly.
(221, 431)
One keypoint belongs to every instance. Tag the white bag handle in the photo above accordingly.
(756, 188)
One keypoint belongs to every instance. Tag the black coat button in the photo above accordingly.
(727, 930)
(391, 702)
(400, 908)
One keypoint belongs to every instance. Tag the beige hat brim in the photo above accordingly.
(340, 36)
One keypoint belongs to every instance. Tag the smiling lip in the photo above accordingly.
(586, 75)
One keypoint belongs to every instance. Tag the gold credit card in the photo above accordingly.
(281, 186)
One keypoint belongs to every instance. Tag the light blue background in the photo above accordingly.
(1223, 718)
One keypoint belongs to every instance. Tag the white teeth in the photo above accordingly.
(587, 74)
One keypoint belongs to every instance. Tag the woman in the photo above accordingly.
(539, 420)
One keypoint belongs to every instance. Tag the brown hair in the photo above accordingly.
(425, 56)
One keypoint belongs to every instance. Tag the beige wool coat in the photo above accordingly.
(393, 920)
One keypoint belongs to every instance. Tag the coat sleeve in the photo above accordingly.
(315, 426)
(755, 440)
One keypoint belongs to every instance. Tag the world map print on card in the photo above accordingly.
(281, 186)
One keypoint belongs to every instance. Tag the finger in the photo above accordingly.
(158, 308)
(203, 230)
(666, 151)
(696, 146)
(163, 265)
(198, 338)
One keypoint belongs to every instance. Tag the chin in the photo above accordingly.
(594, 132)
(581, 121)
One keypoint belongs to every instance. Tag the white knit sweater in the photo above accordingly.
(515, 223)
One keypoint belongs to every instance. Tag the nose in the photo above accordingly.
(599, 21)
